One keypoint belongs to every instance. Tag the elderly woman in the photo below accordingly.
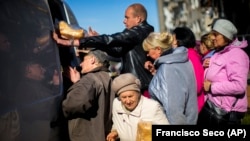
(131, 107)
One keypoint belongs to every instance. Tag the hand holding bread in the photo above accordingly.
(68, 32)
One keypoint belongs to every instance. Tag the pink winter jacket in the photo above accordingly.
(228, 73)
(196, 60)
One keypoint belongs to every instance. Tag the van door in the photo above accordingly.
(31, 82)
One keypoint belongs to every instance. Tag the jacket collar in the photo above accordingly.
(179, 55)
(102, 68)
(235, 44)
(136, 112)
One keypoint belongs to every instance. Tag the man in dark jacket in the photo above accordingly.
(126, 44)
(88, 105)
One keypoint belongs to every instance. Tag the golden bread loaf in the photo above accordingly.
(68, 32)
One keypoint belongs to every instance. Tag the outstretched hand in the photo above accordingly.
(55, 36)
(58, 40)
(65, 42)
(92, 32)
(74, 75)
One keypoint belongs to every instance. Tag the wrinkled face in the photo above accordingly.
(4, 44)
(219, 40)
(86, 63)
(154, 53)
(35, 71)
(130, 99)
(130, 19)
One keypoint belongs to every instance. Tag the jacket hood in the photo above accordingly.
(237, 44)
(179, 55)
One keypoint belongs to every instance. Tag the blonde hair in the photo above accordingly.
(163, 40)
(207, 40)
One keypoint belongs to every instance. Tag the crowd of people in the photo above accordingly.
(164, 78)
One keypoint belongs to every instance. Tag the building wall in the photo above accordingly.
(190, 13)
(198, 14)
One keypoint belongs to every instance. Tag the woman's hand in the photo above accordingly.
(112, 136)
(206, 63)
(150, 67)
(207, 86)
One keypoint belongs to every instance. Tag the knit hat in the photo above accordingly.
(163, 40)
(225, 27)
(125, 82)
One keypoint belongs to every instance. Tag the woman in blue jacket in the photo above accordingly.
(173, 84)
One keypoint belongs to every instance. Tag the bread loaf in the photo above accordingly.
(68, 32)
(144, 131)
